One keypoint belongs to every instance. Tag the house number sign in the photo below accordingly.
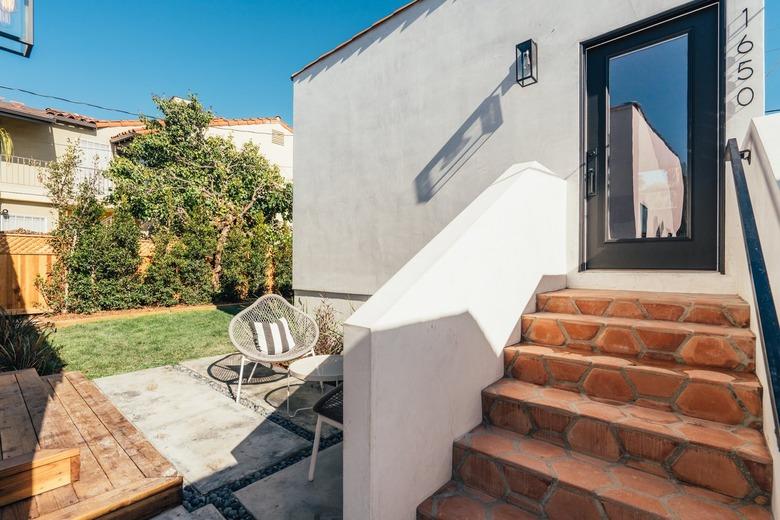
(744, 70)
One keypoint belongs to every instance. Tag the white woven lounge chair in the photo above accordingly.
(267, 309)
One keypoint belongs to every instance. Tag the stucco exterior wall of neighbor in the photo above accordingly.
(30, 139)
(261, 135)
(42, 141)
(399, 130)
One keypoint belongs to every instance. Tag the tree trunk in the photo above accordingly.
(270, 271)
(216, 271)
(66, 299)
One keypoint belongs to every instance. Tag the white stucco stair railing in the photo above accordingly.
(419, 352)
(761, 188)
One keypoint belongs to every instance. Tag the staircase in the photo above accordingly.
(618, 405)
(67, 453)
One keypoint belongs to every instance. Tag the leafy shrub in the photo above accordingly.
(243, 274)
(24, 343)
(281, 258)
(104, 266)
(179, 272)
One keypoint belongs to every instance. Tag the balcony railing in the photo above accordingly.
(26, 176)
(21, 170)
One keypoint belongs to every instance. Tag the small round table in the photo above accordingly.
(314, 368)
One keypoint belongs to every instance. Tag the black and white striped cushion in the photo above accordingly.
(273, 337)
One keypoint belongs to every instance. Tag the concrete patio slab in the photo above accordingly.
(288, 495)
(208, 512)
(208, 437)
(267, 389)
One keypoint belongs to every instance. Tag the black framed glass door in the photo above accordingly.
(652, 169)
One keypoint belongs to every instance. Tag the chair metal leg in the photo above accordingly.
(240, 379)
(252, 373)
(288, 392)
(315, 449)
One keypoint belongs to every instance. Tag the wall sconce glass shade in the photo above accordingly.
(526, 64)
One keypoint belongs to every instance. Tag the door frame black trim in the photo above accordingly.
(627, 30)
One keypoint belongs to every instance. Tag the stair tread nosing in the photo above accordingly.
(729, 310)
(454, 501)
(664, 297)
(541, 476)
(675, 326)
(693, 344)
(118, 498)
(702, 392)
(665, 443)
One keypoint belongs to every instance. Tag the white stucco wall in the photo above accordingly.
(419, 352)
(762, 175)
(401, 129)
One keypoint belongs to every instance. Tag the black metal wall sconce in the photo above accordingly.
(526, 64)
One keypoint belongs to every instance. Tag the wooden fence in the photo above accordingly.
(22, 259)
(25, 257)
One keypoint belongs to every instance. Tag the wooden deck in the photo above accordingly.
(121, 475)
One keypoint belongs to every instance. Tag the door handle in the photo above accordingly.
(590, 172)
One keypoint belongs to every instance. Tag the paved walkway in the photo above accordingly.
(189, 413)
(271, 499)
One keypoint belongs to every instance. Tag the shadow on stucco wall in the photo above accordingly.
(464, 143)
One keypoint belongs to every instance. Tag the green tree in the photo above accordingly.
(97, 255)
(176, 178)
(73, 203)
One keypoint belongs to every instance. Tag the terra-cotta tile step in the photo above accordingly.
(692, 344)
(724, 310)
(732, 460)
(454, 501)
(551, 480)
(715, 395)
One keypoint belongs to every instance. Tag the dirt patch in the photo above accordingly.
(65, 320)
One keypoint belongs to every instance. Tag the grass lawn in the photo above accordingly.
(103, 348)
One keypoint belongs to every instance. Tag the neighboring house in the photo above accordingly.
(41, 135)
(446, 191)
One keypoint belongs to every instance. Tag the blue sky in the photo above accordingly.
(772, 55)
(236, 55)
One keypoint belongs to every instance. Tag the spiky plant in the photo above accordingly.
(6, 144)
(25, 343)
(331, 339)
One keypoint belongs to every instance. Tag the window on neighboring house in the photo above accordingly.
(13, 222)
(277, 137)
